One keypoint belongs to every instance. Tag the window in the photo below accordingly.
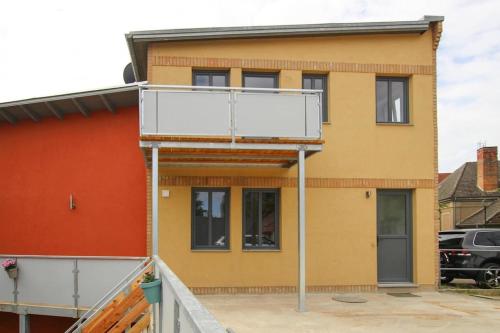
(260, 80)
(260, 218)
(318, 82)
(392, 100)
(210, 78)
(485, 238)
(210, 218)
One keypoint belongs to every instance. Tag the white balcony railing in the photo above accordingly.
(60, 285)
(231, 112)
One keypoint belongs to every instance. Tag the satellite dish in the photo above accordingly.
(128, 74)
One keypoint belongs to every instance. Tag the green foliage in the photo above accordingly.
(148, 277)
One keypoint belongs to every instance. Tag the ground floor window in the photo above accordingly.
(260, 218)
(210, 218)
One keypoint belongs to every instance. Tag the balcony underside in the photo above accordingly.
(175, 151)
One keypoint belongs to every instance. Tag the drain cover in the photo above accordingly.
(349, 299)
(402, 295)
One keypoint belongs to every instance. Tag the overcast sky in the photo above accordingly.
(48, 47)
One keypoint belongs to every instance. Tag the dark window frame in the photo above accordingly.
(274, 75)
(210, 73)
(406, 112)
(487, 232)
(227, 190)
(277, 219)
(324, 95)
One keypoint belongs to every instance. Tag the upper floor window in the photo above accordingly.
(392, 100)
(319, 82)
(211, 78)
(260, 80)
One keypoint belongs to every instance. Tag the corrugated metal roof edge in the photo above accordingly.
(77, 94)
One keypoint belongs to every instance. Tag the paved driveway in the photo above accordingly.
(431, 312)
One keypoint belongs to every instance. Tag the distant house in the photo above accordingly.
(442, 176)
(470, 196)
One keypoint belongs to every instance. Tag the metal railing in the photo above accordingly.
(180, 310)
(61, 285)
(121, 286)
(230, 111)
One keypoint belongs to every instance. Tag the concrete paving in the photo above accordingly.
(431, 312)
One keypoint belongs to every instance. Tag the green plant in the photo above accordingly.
(148, 277)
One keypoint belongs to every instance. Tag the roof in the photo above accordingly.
(492, 215)
(442, 176)
(83, 102)
(138, 41)
(462, 183)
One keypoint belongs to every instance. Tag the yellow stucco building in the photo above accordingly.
(227, 219)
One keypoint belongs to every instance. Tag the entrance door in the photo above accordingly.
(394, 236)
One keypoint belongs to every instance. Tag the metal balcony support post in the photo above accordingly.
(154, 192)
(154, 206)
(302, 229)
(76, 296)
(24, 323)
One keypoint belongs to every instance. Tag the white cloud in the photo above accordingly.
(48, 47)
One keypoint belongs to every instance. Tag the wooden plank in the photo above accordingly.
(243, 152)
(141, 324)
(178, 138)
(280, 141)
(90, 325)
(116, 308)
(223, 160)
(131, 316)
(117, 312)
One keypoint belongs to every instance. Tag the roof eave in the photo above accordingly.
(135, 38)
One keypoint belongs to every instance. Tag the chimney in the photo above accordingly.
(487, 169)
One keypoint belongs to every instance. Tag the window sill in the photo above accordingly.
(261, 250)
(395, 124)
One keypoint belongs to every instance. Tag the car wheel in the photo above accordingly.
(490, 278)
(446, 278)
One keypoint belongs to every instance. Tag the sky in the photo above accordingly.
(41, 41)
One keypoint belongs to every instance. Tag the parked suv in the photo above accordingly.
(471, 248)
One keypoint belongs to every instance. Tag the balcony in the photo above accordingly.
(61, 286)
(188, 126)
(231, 126)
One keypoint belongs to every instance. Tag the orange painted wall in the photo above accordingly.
(95, 158)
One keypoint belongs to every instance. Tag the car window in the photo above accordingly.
(487, 238)
(451, 241)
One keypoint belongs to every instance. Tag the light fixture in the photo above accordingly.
(72, 204)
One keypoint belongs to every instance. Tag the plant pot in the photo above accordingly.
(12, 272)
(152, 291)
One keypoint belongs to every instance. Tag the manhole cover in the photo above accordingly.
(349, 299)
(402, 295)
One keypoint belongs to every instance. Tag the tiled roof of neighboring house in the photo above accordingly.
(442, 176)
(462, 183)
(478, 218)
